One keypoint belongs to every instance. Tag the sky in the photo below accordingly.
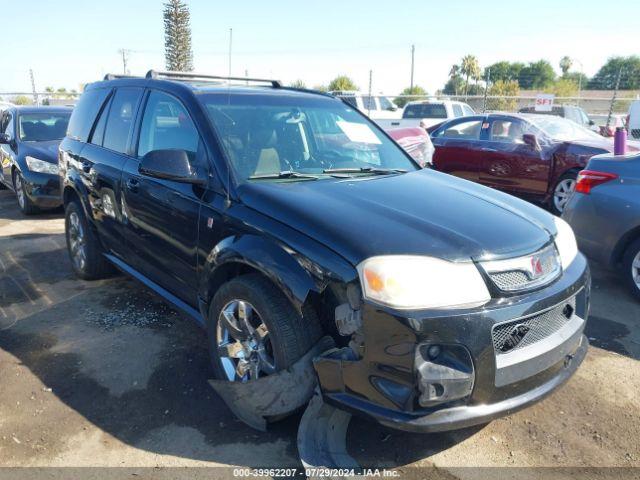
(69, 43)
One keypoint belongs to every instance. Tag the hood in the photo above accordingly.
(418, 213)
(47, 151)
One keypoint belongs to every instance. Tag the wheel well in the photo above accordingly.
(228, 271)
(622, 245)
(69, 195)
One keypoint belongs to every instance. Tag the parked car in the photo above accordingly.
(416, 142)
(604, 212)
(273, 216)
(29, 139)
(570, 112)
(534, 156)
(600, 124)
(375, 106)
(427, 113)
(633, 120)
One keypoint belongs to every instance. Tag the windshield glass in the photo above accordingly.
(562, 129)
(265, 135)
(43, 126)
(425, 110)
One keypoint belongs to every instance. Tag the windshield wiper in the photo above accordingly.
(283, 174)
(374, 170)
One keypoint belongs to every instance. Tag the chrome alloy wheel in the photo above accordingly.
(20, 191)
(244, 346)
(563, 192)
(77, 246)
(635, 270)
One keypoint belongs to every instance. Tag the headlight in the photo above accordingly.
(565, 242)
(40, 166)
(416, 282)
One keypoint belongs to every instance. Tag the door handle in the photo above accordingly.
(132, 185)
(487, 149)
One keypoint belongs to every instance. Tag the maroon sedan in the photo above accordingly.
(532, 156)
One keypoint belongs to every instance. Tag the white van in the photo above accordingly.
(374, 106)
(633, 120)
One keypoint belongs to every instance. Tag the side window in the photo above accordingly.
(385, 104)
(457, 110)
(506, 130)
(4, 119)
(467, 110)
(9, 128)
(368, 103)
(469, 130)
(166, 125)
(351, 100)
(84, 113)
(98, 132)
(121, 118)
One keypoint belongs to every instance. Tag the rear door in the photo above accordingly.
(458, 147)
(161, 216)
(7, 153)
(508, 163)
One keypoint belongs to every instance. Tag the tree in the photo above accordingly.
(503, 89)
(470, 68)
(564, 87)
(416, 90)
(342, 82)
(321, 88)
(177, 36)
(504, 71)
(22, 100)
(454, 86)
(298, 84)
(607, 76)
(565, 65)
(536, 75)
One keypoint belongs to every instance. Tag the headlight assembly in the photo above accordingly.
(418, 282)
(565, 242)
(40, 166)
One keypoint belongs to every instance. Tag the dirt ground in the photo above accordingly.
(104, 374)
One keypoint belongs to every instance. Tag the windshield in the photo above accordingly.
(563, 129)
(425, 110)
(268, 136)
(43, 126)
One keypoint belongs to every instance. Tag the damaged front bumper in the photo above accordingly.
(434, 371)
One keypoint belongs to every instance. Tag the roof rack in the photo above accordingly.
(115, 76)
(200, 76)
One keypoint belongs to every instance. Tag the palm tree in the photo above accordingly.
(565, 64)
(455, 71)
(470, 68)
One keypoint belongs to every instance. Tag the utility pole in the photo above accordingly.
(33, 88)
(230, 47)
(370, 99)
(486, 90)
(413, 54)
(125, 59)
(613, 99)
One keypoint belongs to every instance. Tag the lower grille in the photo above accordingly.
(516, 334)
(635, 133)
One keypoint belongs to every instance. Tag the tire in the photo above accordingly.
(24, 202)
(85, 251)
(562, 191)
(631, 268)
(288, 337)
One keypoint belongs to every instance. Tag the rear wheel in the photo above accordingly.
(26, 205)
(83, 245)
(631, 268)
(254, 330)
(563, 191)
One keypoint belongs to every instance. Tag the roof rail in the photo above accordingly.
(200, 76)
(115, 76)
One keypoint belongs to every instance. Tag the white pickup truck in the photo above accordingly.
(374, 106)
(426, 113)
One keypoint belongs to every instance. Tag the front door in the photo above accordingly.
(508, 163)
(161, 216)
(457, 148)
(7, 152)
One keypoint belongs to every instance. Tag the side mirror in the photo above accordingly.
(591, 123)
(170, 165)
(392, 108)
(531, 140)
(5, 139)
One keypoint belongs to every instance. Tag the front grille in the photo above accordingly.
(516, 334)
(513, 280)
(635, 133)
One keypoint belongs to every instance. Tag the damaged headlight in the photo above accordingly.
(417, 282)
(565, 242)
(41, 166)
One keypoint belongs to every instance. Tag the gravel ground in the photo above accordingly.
(104, 374)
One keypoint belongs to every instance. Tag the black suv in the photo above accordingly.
(273, 216)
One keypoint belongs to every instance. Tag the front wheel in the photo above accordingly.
(562, 192)
(631, 268)
(24, 202)
(254, 330)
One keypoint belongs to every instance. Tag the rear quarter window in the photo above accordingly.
(425, 110)
(84, 113)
